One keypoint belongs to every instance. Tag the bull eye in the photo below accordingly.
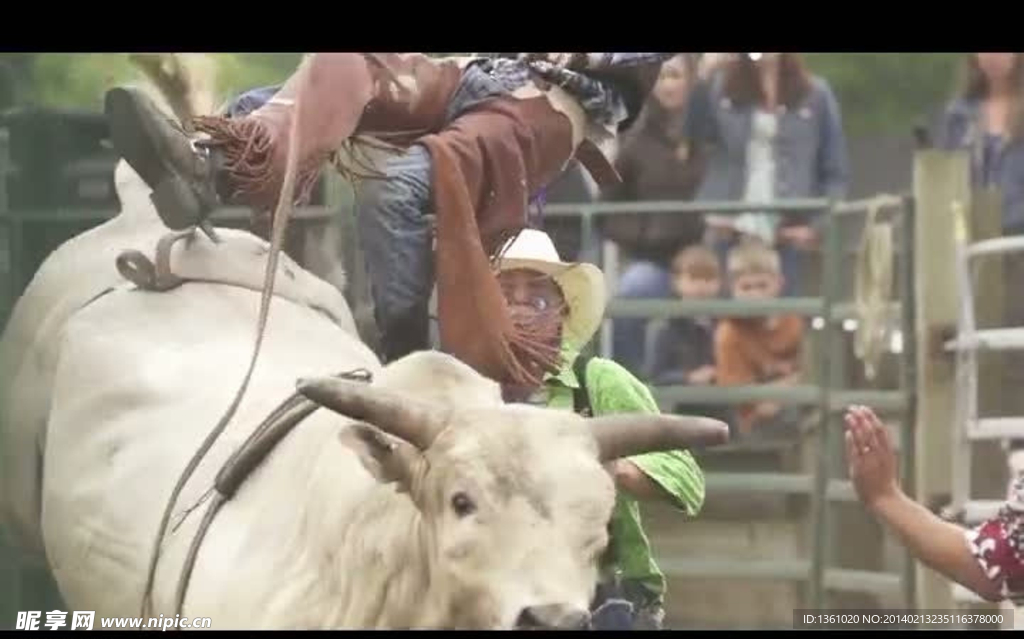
(462, 504)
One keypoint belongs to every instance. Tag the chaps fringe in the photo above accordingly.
(248, 147)
(474, 320)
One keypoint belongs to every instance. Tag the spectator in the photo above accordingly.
(987, 118)
(758, 350)
(683, 349)
(655, 164)
(771, 131)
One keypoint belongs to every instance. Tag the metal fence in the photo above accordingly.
(824, 485)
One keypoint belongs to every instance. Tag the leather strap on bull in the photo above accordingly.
(485, 166)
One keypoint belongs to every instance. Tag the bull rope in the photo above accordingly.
(282, 212)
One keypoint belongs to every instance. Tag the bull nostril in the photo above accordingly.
(553, 617)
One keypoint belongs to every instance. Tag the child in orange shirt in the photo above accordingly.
(757, 350)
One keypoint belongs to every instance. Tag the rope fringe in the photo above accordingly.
(873, 285)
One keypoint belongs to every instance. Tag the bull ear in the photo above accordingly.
(388, 459)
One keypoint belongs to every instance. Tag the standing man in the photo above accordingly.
(517, 121)
(565, 302)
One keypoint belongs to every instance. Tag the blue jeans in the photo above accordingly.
(640, 280)
(396, 241)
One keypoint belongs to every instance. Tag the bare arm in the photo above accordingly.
(940, 545)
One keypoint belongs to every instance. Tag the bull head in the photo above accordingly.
(527, 480)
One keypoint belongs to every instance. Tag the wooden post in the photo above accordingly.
(941, 189)
(988, 464)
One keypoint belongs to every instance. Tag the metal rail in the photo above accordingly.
(822, 486)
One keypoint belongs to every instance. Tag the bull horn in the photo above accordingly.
(409, 420)
(625, 435)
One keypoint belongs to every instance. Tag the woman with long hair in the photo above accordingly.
(986, 118)
(772, 131)
(655, 163)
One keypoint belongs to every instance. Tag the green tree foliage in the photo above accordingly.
(886, 93)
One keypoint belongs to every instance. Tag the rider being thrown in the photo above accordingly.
(508, 124)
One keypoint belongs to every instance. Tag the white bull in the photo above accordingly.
(468, 513)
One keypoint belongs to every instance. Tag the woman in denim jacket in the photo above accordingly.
(987, 119)
(772, 131)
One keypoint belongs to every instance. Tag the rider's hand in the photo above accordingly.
(870, 456)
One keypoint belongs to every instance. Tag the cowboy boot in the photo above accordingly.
(180, 171)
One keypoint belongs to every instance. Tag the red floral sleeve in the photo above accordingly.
(996, 544)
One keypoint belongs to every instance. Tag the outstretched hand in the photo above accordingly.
(870, 456)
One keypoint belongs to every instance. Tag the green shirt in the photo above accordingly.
(612, 389)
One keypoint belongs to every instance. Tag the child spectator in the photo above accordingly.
(683, 348)
(758, 350)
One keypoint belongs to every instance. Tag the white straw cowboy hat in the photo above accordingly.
(582, 284)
